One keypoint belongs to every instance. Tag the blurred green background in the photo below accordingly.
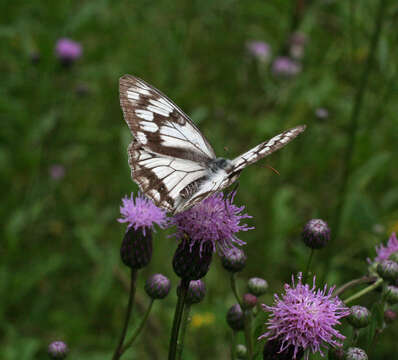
(64, 164)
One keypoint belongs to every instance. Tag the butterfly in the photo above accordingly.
(170, 160)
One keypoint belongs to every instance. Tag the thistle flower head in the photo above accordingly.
(68, 50)
(259, 49)
(285, 66)
(215, 220)
(384, 252)
(304, 317)
(58, 350)
(141, 213)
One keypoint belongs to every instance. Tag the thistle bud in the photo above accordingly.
(136, 249)
(196, 292)
(192, 262)
(241, 351)
(249, 301)
(354, 353)
(234, 260)
(58, 350)
(390, 316)
(391, 294)
(257, 286)
(316, 234)
(388, 270)
(359, 317)
(157, 286)
(235, 317)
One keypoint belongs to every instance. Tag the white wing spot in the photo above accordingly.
(149, 126)
(141, 137)
(144, 114)
(132, 95)
(285, 140)
(143, 91)
(162, 105)
(155, 194)
(157, 110)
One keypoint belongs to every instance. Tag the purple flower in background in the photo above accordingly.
(68, 50)
(284, 66)
(384, 252)
(56, 171)
(304, 317)
(141, 213)
(58, 350)
(214, 220)
(259, 49)
(321, 113)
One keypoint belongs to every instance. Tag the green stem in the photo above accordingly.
(364, 291)
(307, 270)
(118, 351)
(184, 326)
(177, 318)
(248, 333)
(234, 289)
(139, 329)
(352, 283)
(233, 345)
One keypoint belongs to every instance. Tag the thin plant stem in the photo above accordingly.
(248, 333)
(307, 270)
(364, 291)
(184, 326)
(352, 283)
(139, 329)
(118, 351)
(235, 290)
(354, 119)
(233, 345)
(177, 318)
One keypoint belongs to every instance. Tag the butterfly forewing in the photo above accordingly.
(159, 125)
(266, 148)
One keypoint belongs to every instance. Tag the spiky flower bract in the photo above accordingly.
(304, 318)
(141, 213)
(215, 220)
(384, 252)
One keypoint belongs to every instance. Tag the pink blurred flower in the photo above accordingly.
(68, 50)
(384, 252)
(259, 49)
(57, 171)
(284, 66)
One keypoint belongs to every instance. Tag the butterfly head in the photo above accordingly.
(221, 163)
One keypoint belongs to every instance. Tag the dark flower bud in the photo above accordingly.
(390, 316)
(359, 317)
(388, 270)
(241, 351)
(257, 286)
(316, 234)
(336, 354)
(391, 294)
(58, 350)
(272, 351)
(354, 353)
(136, 249)
(235, 317)
(249, 301)
(234, 260)
(192, 262)
(196, 292)
(157, 286)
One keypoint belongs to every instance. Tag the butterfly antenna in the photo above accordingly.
(273, 169)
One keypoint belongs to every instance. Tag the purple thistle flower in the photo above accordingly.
(56, 171)
(141, 213)
(384, 252)
(321, 113)
(304, 318)
(284, 66)
(68, 50)
(214, 220)
(259, 49)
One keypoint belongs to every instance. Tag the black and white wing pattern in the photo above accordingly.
(170, 160)
(169, 156)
